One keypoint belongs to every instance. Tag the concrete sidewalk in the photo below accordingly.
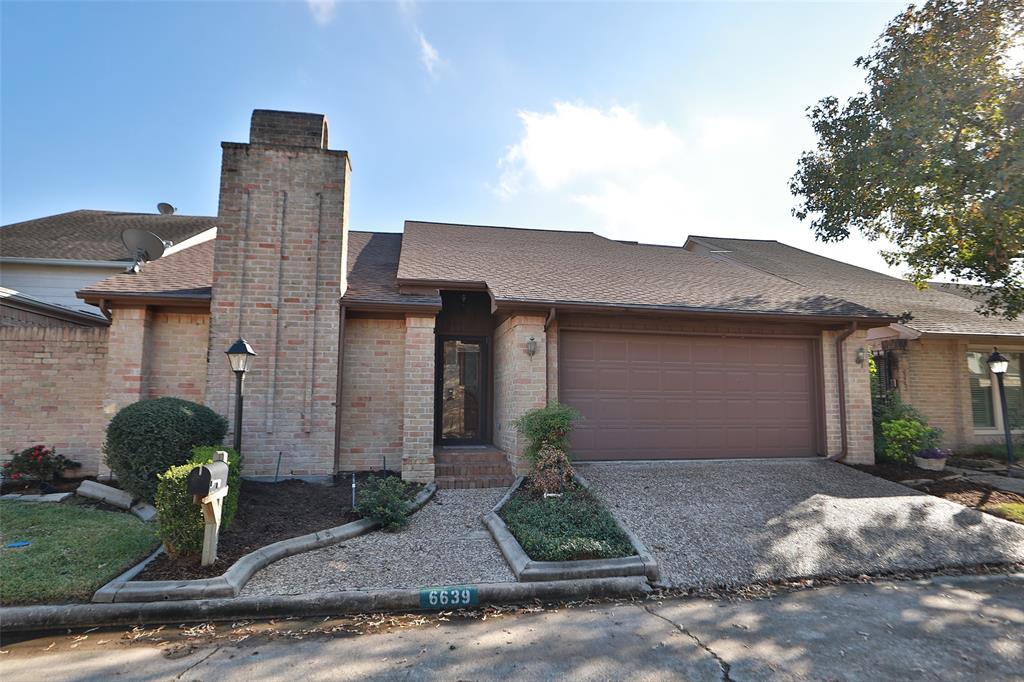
(949, 628)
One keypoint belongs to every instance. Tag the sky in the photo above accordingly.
(638, 121)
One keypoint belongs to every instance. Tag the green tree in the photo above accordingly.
(931, 155)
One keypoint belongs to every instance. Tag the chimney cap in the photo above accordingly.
(290, 128)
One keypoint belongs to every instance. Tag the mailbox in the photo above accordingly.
(207, 478)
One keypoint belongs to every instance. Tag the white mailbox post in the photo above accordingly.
(208, 484)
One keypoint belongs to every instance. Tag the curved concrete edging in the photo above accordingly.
(230, 583)
(528, 570)
(39, 618)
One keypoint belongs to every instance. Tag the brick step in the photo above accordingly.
(464, 482)
(502, 469)
(489, 458)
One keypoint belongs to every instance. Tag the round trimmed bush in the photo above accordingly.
(148, 437)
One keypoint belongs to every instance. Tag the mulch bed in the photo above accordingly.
(962, 491)
(267, 513)
(60, 485)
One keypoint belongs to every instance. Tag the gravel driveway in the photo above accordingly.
(444, 544)
(717, 523)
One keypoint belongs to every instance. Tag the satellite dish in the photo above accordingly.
(165, 209)
(143, 246)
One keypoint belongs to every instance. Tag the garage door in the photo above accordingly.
(646, 396)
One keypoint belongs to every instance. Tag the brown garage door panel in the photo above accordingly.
(688, 397)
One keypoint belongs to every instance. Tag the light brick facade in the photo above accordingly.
(281, 242)
(520, 381)
(51, 381)
(175, 355)
(860, 435)
(418, 405)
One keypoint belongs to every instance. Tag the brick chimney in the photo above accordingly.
(279, 270)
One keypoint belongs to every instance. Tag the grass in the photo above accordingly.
(74, 550)
(1009, 510)
(573, 526)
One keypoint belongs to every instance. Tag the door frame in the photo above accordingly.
(484, 426)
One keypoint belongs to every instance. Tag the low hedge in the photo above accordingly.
(180, 518)
(573, 526)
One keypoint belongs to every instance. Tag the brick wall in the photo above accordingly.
(281, 241)
(418, 399)
(373, 385)
(51, 383)
(520, 381)
(860, 436)
(176, 350)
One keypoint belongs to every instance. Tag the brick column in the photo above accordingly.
(126, 359)
(520, 381)
(859, 431)
(418, 400)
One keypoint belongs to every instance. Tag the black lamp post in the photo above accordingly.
(239, 355)
(999, 364)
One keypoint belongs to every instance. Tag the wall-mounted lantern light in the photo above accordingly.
(531, 347)
(861, 355)
(998, 363)
(240, 356)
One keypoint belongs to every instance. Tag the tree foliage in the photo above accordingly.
(931, 155)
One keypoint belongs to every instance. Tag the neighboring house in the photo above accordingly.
(49, 259)
(376, 349)
(936, 358)
(19, 310)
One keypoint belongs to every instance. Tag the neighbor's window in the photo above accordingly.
(984, 392)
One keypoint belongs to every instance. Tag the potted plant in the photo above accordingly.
(932, 459)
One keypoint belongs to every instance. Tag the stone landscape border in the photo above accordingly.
(58, 617)
(230, 583)
(526, 569)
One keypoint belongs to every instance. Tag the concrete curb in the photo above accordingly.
(38, 618)
(230, 583)
(527, 570)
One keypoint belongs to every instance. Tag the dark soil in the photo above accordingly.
(267, 513)
(59, 485)
(947, 486)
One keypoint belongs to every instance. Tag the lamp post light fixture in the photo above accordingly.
(998, 363)
(240, 355)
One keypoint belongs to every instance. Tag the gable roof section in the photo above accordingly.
(92, 235)
(373, 272)
(185, 276)
(933, 310)
(555, 267)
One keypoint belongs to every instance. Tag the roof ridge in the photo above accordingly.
(506, 227)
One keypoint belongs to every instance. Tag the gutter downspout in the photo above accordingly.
(551, 318)
(841, 369)
(337, 394)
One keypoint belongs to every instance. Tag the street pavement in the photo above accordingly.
(947, 628)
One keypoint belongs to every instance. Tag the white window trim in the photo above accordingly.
(997, 410)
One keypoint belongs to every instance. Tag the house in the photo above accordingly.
(48, 259)
(401, 349)
(936, 358)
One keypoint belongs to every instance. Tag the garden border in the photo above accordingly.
(230, 583)
(526, 569)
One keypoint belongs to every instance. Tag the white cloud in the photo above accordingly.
(322, 10)
(428, 55)
(631, 178)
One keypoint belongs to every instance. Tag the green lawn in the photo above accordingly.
(74, 550)
(1010, 510)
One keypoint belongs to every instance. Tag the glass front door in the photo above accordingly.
(461, 394)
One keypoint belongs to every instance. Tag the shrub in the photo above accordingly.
(37, 463)
(384, 501)
(549, 425)
(573, 526)
(146, 438)
(906, 437)
(551, 470)
(889, 408)
(180, 518)
(204, 454)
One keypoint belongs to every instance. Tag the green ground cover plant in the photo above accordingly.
(74, 550)
(573, 526)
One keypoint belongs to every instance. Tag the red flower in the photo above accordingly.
(15, 476)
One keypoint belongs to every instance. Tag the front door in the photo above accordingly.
(462, 392)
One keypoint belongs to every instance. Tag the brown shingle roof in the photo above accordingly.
(555, 267)
(373, 269)
(92, 235)
(185, 275)
(933, 310)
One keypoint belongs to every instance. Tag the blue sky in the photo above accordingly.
(646, 121)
